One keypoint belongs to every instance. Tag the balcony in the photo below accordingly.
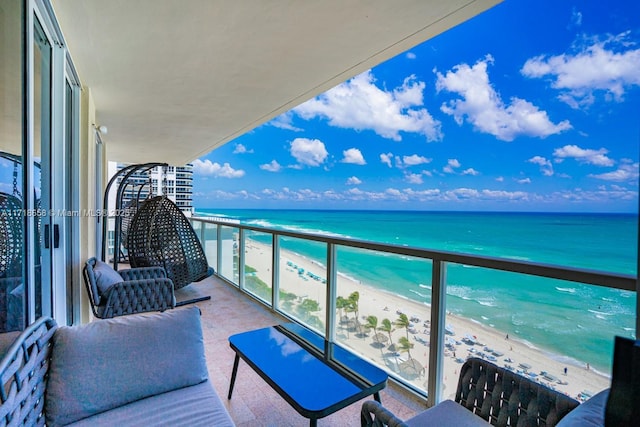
(254, 402)
(313, 287)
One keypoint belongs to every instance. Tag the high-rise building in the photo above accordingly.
(176, 182)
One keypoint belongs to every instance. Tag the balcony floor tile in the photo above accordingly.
(254, 402)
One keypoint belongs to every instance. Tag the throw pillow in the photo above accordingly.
(106, 276)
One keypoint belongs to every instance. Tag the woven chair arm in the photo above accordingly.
(373, 414)
(134, 296)
(23, 370)
(142, 273)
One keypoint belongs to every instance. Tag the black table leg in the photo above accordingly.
(313, 422)
(376, 396)
(233, 375)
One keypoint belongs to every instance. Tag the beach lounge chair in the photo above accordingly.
(486, 395)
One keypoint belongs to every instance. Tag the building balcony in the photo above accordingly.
(308, 279)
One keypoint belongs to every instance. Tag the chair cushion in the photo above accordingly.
(193, 406)
(587, 414)
(110, 363)
(106, 276)
(447, 413)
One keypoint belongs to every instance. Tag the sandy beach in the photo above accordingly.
(464, 338)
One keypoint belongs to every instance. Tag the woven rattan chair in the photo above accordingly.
(494, 395)
(134, 290)
(24, 376)
(161, 235)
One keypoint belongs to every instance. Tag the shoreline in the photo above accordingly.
(578, 382)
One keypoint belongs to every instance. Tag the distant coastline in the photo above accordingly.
(586, 315)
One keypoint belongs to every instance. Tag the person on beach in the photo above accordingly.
(565, 370)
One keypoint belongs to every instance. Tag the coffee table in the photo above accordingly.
(291, 359)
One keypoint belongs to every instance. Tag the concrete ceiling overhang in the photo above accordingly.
(174, 79)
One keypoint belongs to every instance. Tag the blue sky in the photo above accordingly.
(531, 106)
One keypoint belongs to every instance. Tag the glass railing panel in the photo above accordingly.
(535, 326)
(210, 243)
(303, 281)
(197, 227)
(258, 268)
(383, 310)
(229, 236)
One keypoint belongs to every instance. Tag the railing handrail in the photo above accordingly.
(579, 275)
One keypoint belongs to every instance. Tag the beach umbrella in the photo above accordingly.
(381, 338)
(411, 367)
(393, 347)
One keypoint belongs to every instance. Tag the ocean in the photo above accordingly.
(573, 322)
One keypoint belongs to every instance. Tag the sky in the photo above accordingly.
(530, 106)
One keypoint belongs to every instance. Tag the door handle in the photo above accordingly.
(56, 236)
(46, 236)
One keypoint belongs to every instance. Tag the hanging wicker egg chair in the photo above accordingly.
(161, 235)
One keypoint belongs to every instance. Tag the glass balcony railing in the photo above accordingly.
(355, 294)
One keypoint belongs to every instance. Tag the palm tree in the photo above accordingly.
(353, 299)
(387, 327)
(341, 304)
(403, 322)
(406, 345)
(372, 323)
(309, 306)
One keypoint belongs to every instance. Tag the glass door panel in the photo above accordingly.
(11, 169)
(41, 222)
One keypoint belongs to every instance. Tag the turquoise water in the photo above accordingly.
(565, 318)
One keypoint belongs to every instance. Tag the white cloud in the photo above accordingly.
(310, 152)
(413, 178)
(353, 156)
(545, 165)
(451, 165)
(353, 181)
(524, 181)
(285, 121)
(274, 166)
(427, 173)
(583, 155)
(470, 171)
(360, 104)
(500, 179)
(215, 169)
(386, 158)
(608, 66)
(482, 106)
(414, 160)
(626, 172)
(241, 149)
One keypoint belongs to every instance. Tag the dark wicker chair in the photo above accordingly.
(141, 290)
(24, 368)
(161, 235)
(494, 394)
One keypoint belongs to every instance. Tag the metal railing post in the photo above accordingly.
(275, 272)
(438, 325)
(241, 267)
(219, 249)
(330, 304)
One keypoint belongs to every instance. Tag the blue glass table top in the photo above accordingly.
(313, 385)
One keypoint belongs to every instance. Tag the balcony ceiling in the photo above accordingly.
(174, 79)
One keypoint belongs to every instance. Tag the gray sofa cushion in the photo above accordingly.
(112, 362)
(588, 414)
(106, 276)
(193, 406)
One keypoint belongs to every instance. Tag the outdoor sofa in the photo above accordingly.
(142, 369)
(490, 395)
